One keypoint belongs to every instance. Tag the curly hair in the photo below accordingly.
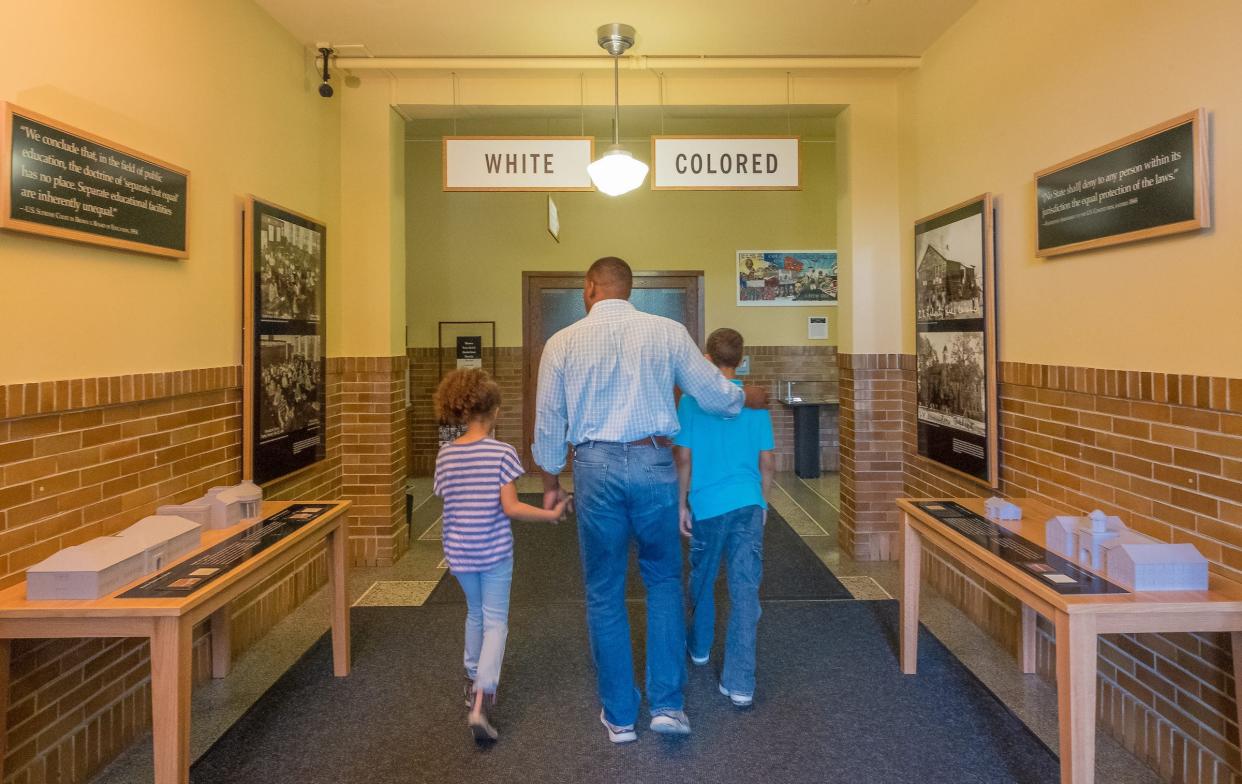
(466, 394)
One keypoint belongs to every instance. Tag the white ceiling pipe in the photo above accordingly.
(639, 62)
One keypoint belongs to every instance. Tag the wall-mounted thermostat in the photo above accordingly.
(817, 327)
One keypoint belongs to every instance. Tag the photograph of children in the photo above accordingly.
(793, 277)
(951, 381)
(949, 271)
(290, 258)
(289, 384)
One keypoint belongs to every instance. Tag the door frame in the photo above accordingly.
(534, 282)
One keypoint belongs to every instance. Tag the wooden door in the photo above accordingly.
(552, 301)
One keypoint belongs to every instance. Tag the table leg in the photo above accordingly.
(1029, 633)
(1235, 639)
(221, 642)
(338, 579)
(1076, 670)
(5, 647)
(171, 664)
(911, 563)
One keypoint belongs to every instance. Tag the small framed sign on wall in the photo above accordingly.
(284, 401)
(1148, 184)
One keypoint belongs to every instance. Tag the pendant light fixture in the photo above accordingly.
(616, 171)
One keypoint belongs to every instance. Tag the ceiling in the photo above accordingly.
(482, 28)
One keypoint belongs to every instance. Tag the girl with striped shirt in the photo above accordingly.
(475, 476)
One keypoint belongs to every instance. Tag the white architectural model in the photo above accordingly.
(1132, 560)
(221, 507)
(1000, 509)
(164, 538)
(105, 563)
(87, 571)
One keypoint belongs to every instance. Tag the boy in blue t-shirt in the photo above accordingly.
(725, 469)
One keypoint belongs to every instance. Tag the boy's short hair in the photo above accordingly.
(725, 346)
(465, 394)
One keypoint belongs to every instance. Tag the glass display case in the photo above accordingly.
(793, 392)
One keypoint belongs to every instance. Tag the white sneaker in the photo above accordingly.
(738, 699)
(670, 722)
(618, 734)
(698, 661)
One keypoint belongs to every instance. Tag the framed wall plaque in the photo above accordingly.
(62, 182)
(955, 334)
(284, 418)
(1149, 184)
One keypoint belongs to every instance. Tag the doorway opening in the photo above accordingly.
(552, 301)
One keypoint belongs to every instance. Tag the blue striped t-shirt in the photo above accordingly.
(477, 535)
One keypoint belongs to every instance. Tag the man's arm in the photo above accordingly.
(551, 425)
(700, 378)
(682, 455)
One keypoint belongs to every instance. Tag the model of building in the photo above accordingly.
(105, 563)
(221, 507)
(88, 570)
(164, 539)
(1137, 562)
(1000, 509)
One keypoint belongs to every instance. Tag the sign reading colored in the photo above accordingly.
(517, 163)
(1146, 185)
(61, 182)
(719, 163)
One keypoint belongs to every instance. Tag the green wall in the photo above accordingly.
(466, 251)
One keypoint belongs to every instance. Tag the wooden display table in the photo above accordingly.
(169, 624)
(1078, 619)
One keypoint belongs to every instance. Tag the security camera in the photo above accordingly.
(325, 89)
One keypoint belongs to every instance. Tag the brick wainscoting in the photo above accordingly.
(768, 365)
(875, 394)
(1165, 453)
(87, 457)
(373, 455)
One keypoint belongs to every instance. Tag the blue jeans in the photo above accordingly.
(738, 537)
(621, 492)
(487, 622)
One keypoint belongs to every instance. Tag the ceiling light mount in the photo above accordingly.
(615, 38)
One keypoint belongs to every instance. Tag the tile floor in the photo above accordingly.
(810, 506)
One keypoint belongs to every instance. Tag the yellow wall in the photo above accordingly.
(1016, 86)
(467, 251)
(216, 87)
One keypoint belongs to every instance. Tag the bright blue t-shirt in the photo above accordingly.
(724, 455)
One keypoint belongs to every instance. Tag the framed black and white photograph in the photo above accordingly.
(285, 393)
(955, 319)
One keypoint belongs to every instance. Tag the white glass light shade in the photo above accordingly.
(617, 172)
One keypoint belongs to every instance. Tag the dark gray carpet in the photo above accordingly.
(831, 706)
(548, 568)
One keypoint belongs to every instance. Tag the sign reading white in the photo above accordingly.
(517, 163)
(725, 163)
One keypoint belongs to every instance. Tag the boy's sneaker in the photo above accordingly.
(696, 659)
(670, 722)
(618, 734)
(738, 699)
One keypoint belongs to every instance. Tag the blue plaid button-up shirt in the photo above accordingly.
(610, 377)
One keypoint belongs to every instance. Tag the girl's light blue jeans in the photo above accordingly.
(487, 622)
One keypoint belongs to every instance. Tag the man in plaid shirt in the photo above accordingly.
(606, 388)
